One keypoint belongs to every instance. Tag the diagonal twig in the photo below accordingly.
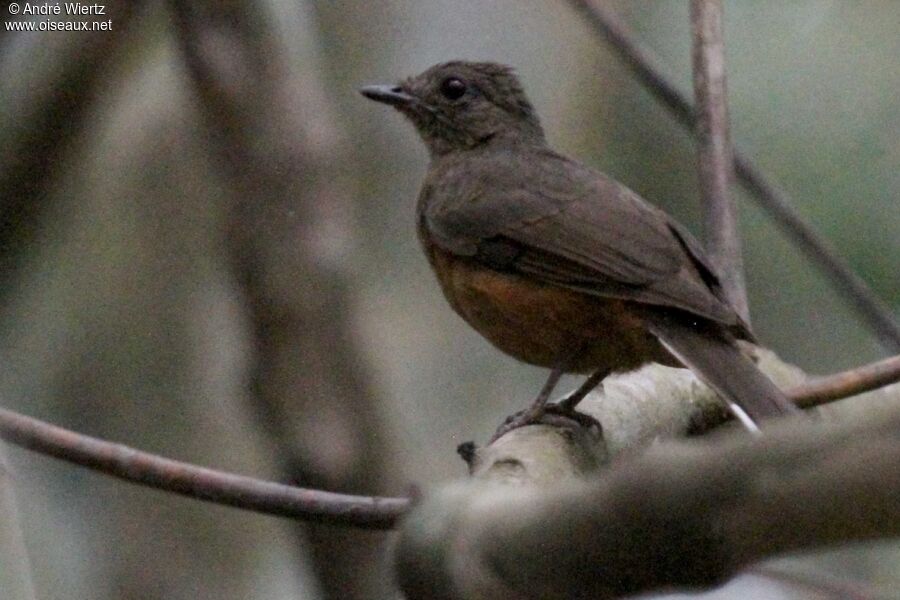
(715, 162)
(770, 196)
(826, 389)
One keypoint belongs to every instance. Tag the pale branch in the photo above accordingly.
(636, 408)
(201, 483)
(536, 522)
(770, 196)
(715, 161)
(658, 401)
(820, 584)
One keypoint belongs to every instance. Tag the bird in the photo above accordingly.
(557, 264)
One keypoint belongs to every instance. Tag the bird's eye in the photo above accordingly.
(453, 88)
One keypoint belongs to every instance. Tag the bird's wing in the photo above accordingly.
(555, 220)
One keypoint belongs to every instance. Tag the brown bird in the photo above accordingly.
(555, 263)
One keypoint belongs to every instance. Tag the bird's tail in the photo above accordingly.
(714, 356)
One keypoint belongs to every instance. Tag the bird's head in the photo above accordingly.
(462, 105)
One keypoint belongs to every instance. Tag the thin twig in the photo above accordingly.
(201, 483)
(771, 197)
(847, 383)
(715, 162)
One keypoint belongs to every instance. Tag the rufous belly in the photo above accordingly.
(544, 324)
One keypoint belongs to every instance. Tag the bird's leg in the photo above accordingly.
(566, 406)
(533, 413)
(569, 403)
(536, 409)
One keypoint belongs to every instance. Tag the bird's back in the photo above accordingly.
(533, 212)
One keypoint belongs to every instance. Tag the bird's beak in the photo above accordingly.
(388, 94)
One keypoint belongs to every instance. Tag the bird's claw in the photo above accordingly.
(556, 414)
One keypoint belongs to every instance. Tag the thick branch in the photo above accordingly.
(819, 583)
(198, 482)
(715, 162)
(272, 126)
(683, 515)
(771, 197)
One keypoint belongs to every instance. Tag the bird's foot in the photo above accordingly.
(564, 410)
(530, 416)
(559, 414)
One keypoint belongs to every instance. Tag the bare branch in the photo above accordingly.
(847, 383)
(634, 408)
(818, 584)
(658, 401)
(715, 161)
(684, 514)
(771, 197)
(691, 513)
(189, 480)
(271, 124)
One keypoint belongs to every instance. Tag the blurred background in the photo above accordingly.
(237, 282)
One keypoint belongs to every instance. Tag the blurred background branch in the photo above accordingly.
(41, 116)
(276, 136)
(714, 154)
(605, 22)
(15, 568)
